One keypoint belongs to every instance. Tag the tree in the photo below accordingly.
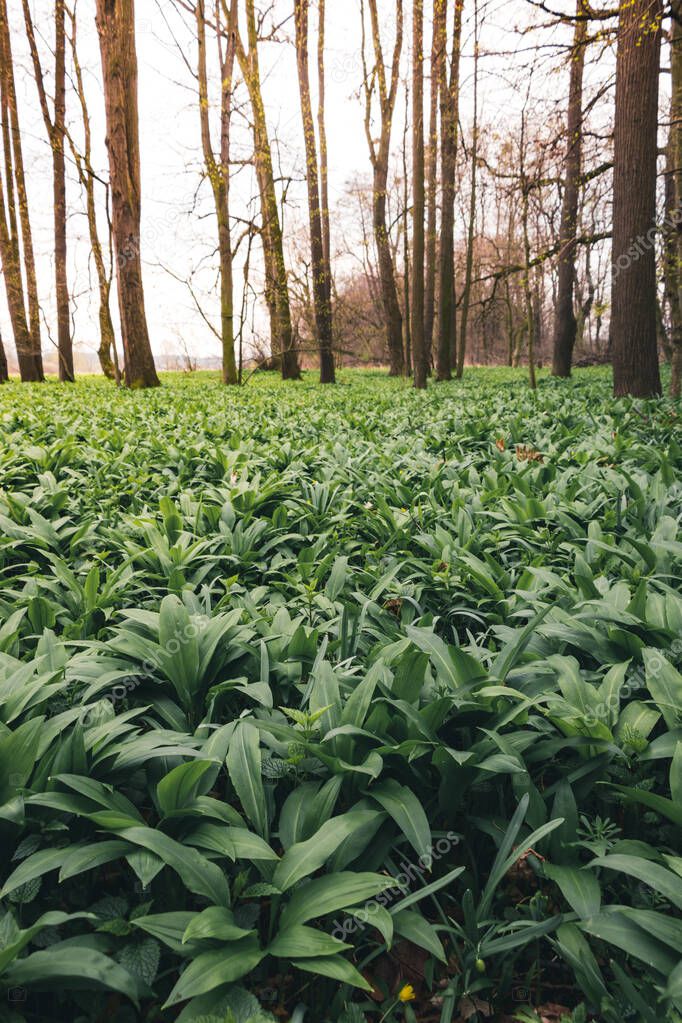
(321, 270)
(276, 284)
(106, 351)
(16, 237)
(418, 197)
(116, 28)
(55, 127)
(674, 188)
(4, 375)
(438, 45)
(633, 296)
(449, 116)
(375, 80)
(218, 168)
(471, 232)
(565, 322)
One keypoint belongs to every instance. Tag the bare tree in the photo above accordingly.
(376, 80)
(218, 167)
(565, 322)
(16, 238)
(418, 197)
(449, 115)
(471, 232)
(55, 128)
(438, 45)
(674, 188)
(634, 341)
(322, 134)
(321, 270)
(106, 351)
(116, 28)
(276, 284)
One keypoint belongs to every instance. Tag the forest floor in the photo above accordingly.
(346, 704)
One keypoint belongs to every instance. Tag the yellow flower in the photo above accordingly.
(406, 994)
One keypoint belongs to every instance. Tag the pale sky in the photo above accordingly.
(178, 229)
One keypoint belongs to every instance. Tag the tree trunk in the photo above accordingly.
(471, 232)
(565, 323)
(4, 375)
(116, 28)
(418, 198)
(449, 116)
(106, 351)
(380, 157)
(674, 190)
(64, 340)
(438, 45)
(218, 171)
(55, 128)
(15, 231)
(322, 133)
(276, 283)
(319, 267)
(633, 303)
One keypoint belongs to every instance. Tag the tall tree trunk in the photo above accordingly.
(471, 232)
(4, 375)
(218, 170)
(438, 45)
(322, 134)
(527, 289)
(565, 323)
(418, 345)
(320, 269)
(449, 117)
(674, 190)
(116, 28)
(380, 156)
(106, 351)
(276, 283)
(407, 318)
(16, 238)
(55, 128)
(633, 302)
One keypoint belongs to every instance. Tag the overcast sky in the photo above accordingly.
(178, 229)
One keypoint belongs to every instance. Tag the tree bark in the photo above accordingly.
(565, 322)
(16, 238)
(471, 231)
(116, 28)
(380, 155)
(674, 191)
(319, 267)
(106, 351)
(4, 375)
(633, 303)
(322, 133)
(218, 170)
(438, 45)
(449, 116)
(55, 128)
(276, 283)
(418, 198)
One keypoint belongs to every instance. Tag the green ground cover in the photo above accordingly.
(311, 699)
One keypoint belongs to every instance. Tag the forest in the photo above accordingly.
(340, 511)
